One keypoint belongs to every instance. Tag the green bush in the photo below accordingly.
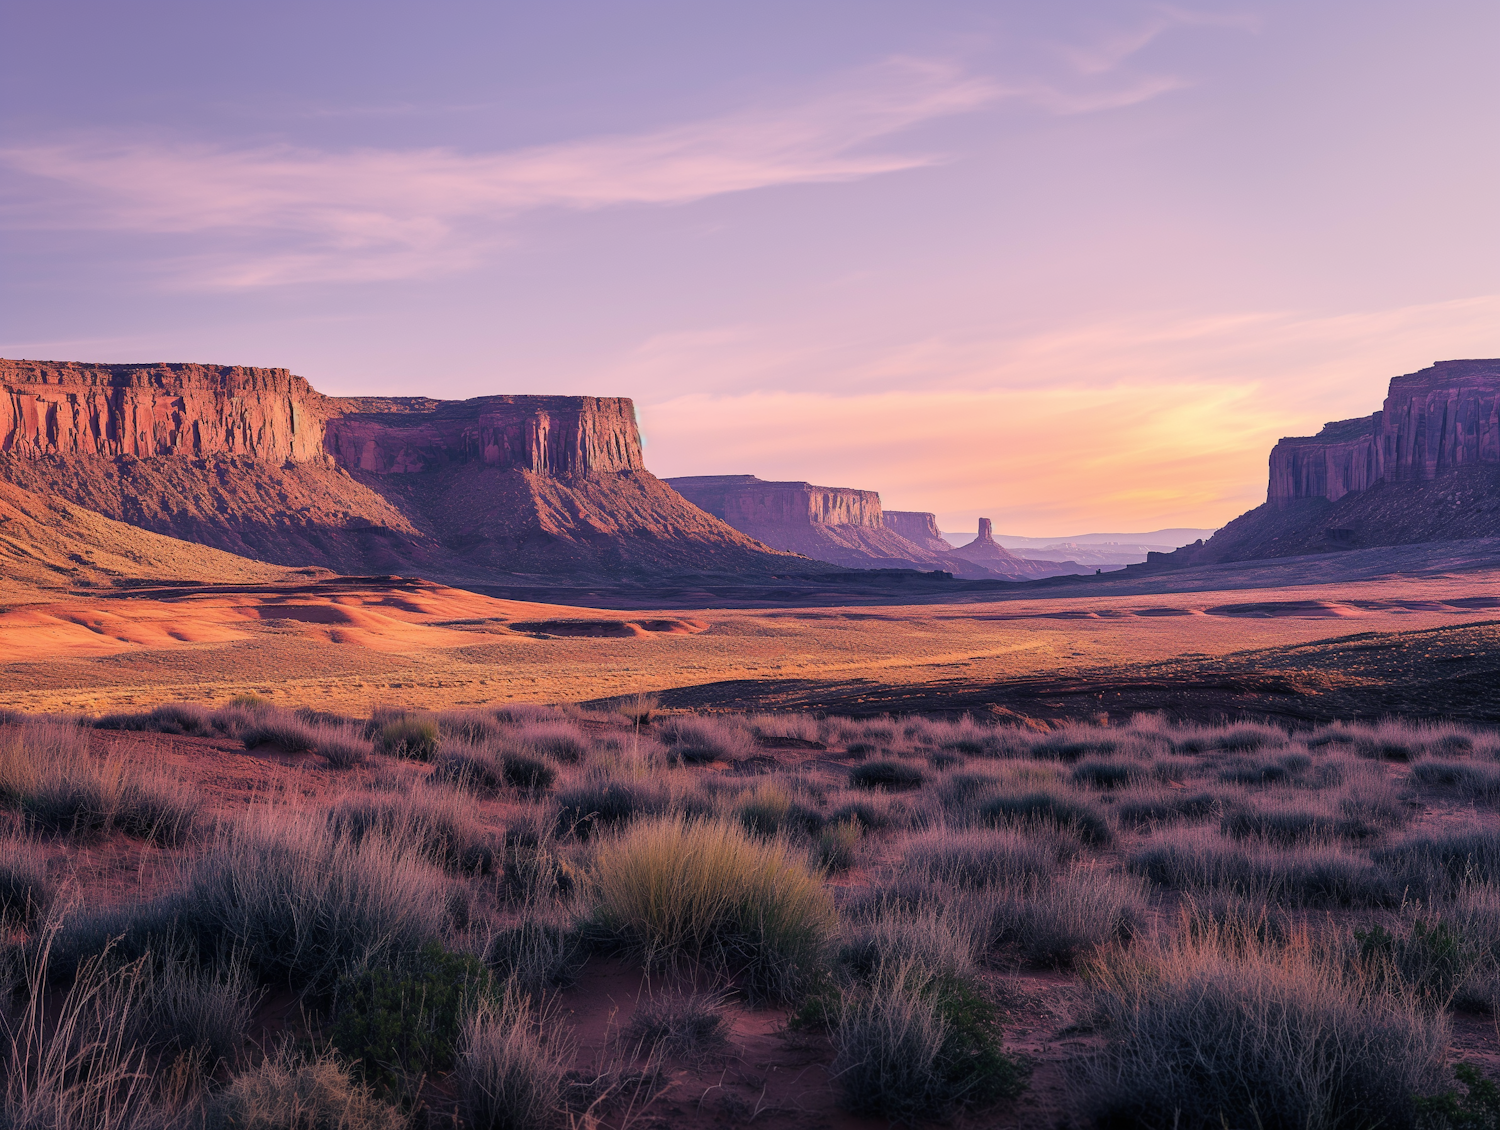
(393, 1026)
(1477, 1109)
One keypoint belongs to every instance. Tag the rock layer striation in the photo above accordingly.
(1426, 467)
(257, 462)
(1434, 422)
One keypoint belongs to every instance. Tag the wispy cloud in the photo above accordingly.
(277, 214)
(1111, 48)
(373, 213)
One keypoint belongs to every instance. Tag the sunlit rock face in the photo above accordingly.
(67, 408)
(1434, 421)
(257, 462)
(547, 435)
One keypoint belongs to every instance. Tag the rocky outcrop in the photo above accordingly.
(839, 525)
(1426, 467)
(986, 551)
(919, 527)
(257, 462)
(1434, 422)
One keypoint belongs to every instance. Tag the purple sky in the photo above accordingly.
(1070, 266)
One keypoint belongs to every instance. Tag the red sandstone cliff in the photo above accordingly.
(1426, 467)
(1434, 421)
(66, 408)
(547, 435)
(257, 462)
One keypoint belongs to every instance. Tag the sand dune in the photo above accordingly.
(348, 642)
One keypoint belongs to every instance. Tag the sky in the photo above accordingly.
(1070, 266)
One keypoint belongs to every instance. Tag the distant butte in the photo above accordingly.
(848, 527)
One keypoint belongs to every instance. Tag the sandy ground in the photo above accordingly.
(349, 645)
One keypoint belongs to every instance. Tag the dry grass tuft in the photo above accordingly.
(704, 890)
(1217, 1028)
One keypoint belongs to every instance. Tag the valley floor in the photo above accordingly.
(1297, 651)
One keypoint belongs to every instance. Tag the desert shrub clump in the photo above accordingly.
(1054, 809)
(672, 890)
(1309, 876)
(489, 769)
(773, 808)
(25, 889)
(409, 736)
(979, 857)
(438, 823)
(342, 744)
(512, 1071)
(394, 1025)
(885, 774)
(61, 787)
(697, 741)
(301, 902)
(605, 803)
(1214, 1029)
(561, 741)
(914, 1045)
(284, 1093)
(682, 1024)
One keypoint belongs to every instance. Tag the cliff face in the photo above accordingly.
(1434, 421)
(1426, 467)
(257, 462)
(917, 526)
(547, 435)
(65, 408)
(744, 500)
